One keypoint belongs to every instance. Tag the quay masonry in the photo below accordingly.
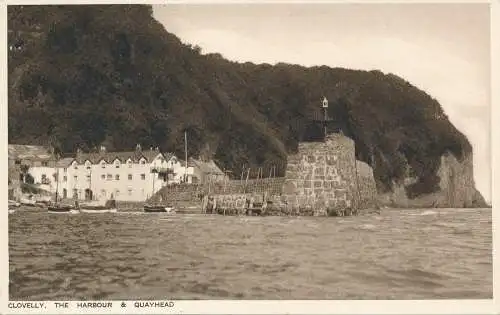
(322, 178)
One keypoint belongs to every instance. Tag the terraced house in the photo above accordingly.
(127, 176)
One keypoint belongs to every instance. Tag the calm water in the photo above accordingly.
(415, 254)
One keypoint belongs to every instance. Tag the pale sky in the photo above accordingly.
(443, 49)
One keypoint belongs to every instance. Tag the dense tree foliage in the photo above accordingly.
(82, 76)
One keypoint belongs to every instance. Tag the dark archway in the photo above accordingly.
(65, 193)
(88, 194)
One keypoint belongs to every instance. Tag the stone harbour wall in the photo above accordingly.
(193, 192)
(322, 176)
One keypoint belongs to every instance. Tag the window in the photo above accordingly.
(130, 192)
(117, 177)
(88, 178)
(110, 177)
(75, 178)
(103, 176)
(143, 161)
(143, 176)
(117, 193)
(17, 162)
(75, 193)
(103, 164)
(88, 165)
(65, 170)
(45, 163)
(129, 163)
(129, 176)
(65, 178)
(103, 193)
(117, 164)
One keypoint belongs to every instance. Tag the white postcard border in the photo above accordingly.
(261, 306)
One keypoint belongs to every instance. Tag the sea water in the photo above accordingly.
(398, 254)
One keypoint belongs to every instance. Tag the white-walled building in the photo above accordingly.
(37, 159)
(124, 176)
(202, 172)
(178, 171)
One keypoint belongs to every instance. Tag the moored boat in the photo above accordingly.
(14, 204)
(28, 202)
(158, 208)
(97, 207)
(59, 208)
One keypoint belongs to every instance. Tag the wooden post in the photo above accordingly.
(246, 181)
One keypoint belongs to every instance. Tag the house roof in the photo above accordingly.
(207, 167)
(109, 157)
(65, 162)
(168, 155)
(36, 152)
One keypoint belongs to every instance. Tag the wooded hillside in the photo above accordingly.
(82, 76)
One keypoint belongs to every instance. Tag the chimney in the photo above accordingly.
(102, 149)
(157, 149)
(150, 148)
(138, 148)
(78, 152)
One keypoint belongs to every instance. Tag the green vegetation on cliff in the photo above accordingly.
(90, 75)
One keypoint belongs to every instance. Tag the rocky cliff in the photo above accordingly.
(456, 188)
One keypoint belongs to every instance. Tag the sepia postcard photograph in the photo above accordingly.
(162, 154)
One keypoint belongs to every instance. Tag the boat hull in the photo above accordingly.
(89, 210)
(162, 209)
(59, 209)
(14, 204)
(72, 211)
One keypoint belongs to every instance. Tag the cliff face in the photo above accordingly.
(456, 188)
(366, 185)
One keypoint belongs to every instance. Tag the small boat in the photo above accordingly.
(14, 204)
(57, 207)
(60, 208)
(158, 208)
(97, 207)
(28, 202)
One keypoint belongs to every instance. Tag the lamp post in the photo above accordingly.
(324, 104)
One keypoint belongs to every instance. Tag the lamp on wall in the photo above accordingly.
(324, 104)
